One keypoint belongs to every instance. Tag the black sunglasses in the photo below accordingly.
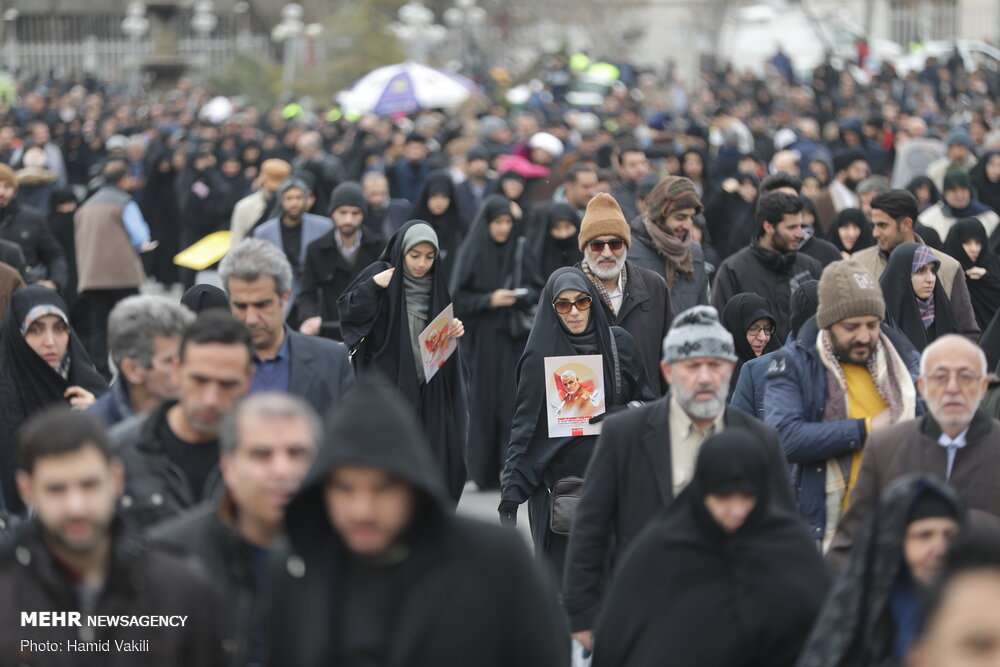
(598, 246)
(562, 306)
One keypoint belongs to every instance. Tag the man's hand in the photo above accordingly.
(148, 246)
(311, 326)
(502, 298)
(881, 420)
(79, 398)
(586, 638)
(382, 279)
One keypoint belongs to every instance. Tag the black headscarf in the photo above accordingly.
(202, 297)
(375, 323)
(921, 181)
(449, 226)
(741, 311)
(685, 577)
(901, 310)
(855, 628)
(853, 216)
(984, 292)
(988, 191)
(555, 253)
(490, 262)
(28, 384)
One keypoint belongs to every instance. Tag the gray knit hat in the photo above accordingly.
(697, 332)
(847, 289)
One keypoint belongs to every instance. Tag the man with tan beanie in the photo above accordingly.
(663, 241)
(256, 207)
(846, 376)
(634, 298)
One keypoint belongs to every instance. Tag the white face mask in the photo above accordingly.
(808, 231)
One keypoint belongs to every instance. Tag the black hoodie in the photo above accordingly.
(330, 606)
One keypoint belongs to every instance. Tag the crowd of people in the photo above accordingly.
(736, 357)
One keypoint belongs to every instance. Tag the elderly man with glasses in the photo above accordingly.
(955, 440)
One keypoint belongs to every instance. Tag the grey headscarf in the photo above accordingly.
(418, 290)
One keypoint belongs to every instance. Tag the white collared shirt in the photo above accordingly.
(952, 445)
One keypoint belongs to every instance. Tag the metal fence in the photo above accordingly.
(96, 44)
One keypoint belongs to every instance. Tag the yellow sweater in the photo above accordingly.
(863, 402)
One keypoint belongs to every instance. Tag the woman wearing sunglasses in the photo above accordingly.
(566, 324)
(749, 319)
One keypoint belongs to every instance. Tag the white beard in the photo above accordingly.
(606, 273)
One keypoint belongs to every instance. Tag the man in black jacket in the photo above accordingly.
(75, 557)
(267, 444)
(646, 456)
(171, 453)
(379, 571)
(43, 256)
(771, 267)
(334, 260)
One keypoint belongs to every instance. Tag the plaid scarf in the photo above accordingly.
(893, 382)
(601, 289)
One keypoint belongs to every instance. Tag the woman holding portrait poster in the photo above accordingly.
(565, 326)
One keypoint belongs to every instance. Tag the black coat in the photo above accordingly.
(645, 313)
(207, 533)
(141, 581)
(156, 488)
(320, 370)
(689, 593)
(495, 337)
(984, 292)
(821, 250)
(326, 274)
(901, 310)
(42, 253)
(629, 482)
(767, 274)
(461, 592)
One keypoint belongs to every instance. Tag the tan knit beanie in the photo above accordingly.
(847, 289)
(604, 217)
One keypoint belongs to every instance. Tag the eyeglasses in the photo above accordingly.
(562, 306)
(598, 246)
(756, 331)
(943, 378)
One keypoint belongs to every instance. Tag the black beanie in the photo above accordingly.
(932, 505)
(349, 193)
(804, 302)
(842, 161)
(957, 178)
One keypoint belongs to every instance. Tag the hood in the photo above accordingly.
(372, 426)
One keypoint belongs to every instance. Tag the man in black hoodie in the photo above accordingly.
(377, 570)
(771, 265)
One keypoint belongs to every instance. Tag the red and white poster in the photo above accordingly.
(574, 392)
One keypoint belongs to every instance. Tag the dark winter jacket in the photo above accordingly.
(42, 253)
(685, 293)
(141, 581)
(461, 592)
(629, 482)
(768, 274)
(114, 406)
(794, 403)
(155, 487)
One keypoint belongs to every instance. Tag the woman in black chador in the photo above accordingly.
(381, 315)
(496, 286)
(566, 324)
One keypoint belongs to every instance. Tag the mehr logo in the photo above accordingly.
(864, 281)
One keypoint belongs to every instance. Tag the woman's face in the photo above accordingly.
(923, 281)
(512, 188)
(759, 335)
(923, 194)
(972, 248)
(48, 336)
(420, 259)
(575, 320)
(849, 234)
(500, 228)
(731, 510)
(692, 165)
(438, 203)
(811, 188)
(993, 169)
(562, 230)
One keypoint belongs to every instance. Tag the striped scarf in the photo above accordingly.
(602, 291)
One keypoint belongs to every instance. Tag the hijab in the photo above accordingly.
(903, 310)
(857, 627)
(987, 191)
(449, 226)
(28, 384)
(741, 311)
(856, 217)
(984, 292)
(924, 181)
(202, 297)
(481, 261)
(686, 577)
(556, 253)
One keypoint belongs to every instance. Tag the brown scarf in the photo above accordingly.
(677, 253)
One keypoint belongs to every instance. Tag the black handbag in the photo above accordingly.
(562, 507)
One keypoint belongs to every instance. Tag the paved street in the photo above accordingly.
(483, 505)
